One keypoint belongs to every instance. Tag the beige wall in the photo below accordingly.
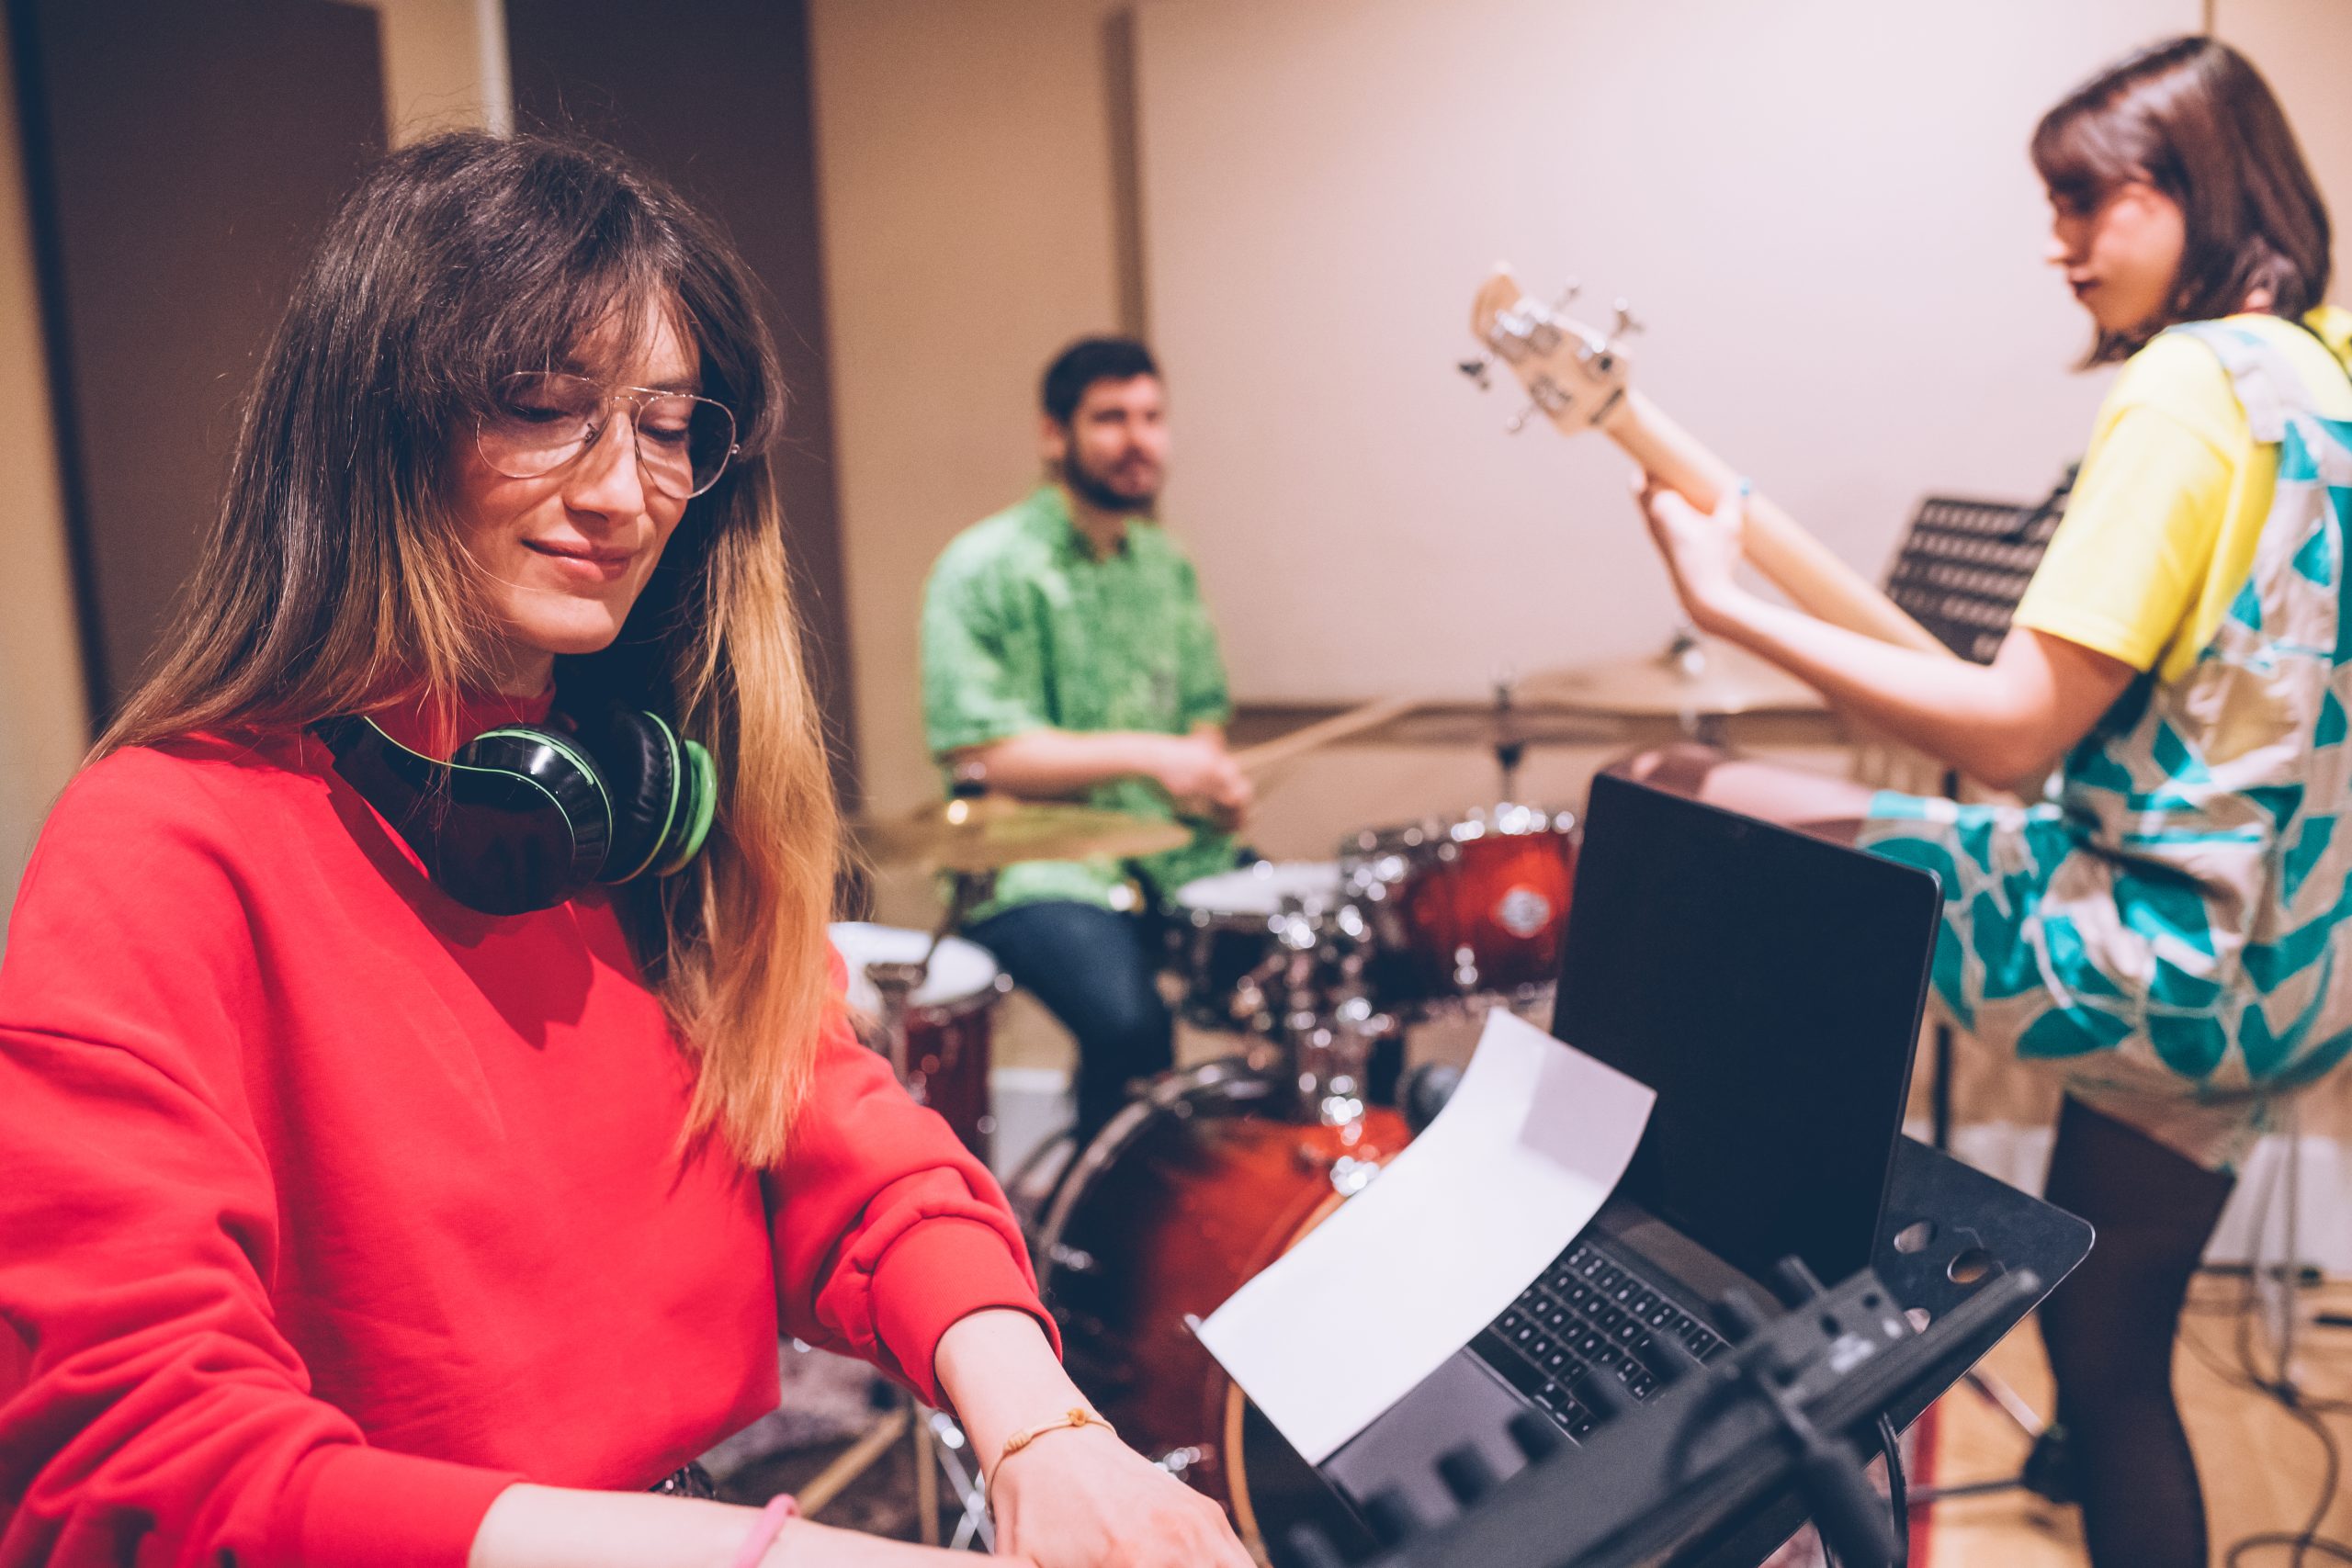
(445, 67)
(43, 720)
(1821, 209)
(964, 158)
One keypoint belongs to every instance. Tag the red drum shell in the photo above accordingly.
(1186, 1195)
(1477, 906)
(949, 1036)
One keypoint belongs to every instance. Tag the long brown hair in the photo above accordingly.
(336, 581)
(2191, 118)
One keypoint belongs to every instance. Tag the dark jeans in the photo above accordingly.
(1093, 969)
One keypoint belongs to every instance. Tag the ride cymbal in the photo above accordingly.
(1690, 679)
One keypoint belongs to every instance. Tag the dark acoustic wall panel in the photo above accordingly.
(714, 98)
(182, 158)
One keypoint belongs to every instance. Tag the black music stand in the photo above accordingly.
(1960, 573)
(1972, 1252)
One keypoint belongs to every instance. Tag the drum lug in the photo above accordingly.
(1180, 1462)
(1351, 1174)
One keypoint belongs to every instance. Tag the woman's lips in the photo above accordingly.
(585, 562)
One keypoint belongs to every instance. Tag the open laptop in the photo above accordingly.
(1767, 985)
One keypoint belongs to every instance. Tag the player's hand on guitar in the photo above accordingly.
(1084, 1499)
(1702, 549)
(1201, 776)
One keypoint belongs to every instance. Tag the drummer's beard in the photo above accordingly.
(1112, 490)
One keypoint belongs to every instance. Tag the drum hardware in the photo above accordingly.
(953, 1080)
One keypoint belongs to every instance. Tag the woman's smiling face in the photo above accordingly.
(566, 553)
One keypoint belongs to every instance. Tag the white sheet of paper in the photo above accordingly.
(1409, 1270)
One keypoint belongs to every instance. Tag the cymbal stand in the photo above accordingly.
(1510, 746)
(1688, 655)
(939, 1442)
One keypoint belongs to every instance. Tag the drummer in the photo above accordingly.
(1067, 655)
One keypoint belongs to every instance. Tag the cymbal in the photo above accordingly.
(991, 831)
(1690, 678)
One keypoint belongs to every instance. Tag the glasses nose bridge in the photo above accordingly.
(584, 460)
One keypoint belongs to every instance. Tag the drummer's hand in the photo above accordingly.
(1081, 1498)
(1202, 779)
(1702, 549)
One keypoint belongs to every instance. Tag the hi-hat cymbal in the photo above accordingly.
(992, 831)
(1691, 678)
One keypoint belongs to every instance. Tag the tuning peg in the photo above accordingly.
(1518, 421)
(1626, 325)
(1567, 297)
(1475, 369)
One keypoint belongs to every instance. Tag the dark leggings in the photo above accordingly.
(2110, 1329)
(1096, 971)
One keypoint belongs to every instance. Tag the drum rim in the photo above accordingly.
(1225, 916)
(1161, 1095)
(987, 994)
(1523, 821)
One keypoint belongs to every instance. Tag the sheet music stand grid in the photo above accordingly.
(1965, 563)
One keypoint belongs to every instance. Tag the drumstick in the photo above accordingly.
(1323, 732)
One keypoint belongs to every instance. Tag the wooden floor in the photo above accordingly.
(2260, 1468)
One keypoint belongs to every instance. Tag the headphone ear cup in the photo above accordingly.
(654, 786)
(696, 812)
(486, 862)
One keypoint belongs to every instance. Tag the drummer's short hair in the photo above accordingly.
(1085, 361)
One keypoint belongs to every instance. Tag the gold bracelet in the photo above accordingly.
(1076, 1417)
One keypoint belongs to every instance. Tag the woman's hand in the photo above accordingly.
(1701, 550)
(1073, 1497)
(1080, 1498)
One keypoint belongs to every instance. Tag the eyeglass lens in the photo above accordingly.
(543, 420)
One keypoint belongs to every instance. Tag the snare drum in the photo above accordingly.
(1470, 907)
(1231, 938)
(948, 1019)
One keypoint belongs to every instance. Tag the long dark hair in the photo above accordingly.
(2193, 119)
(336, 580)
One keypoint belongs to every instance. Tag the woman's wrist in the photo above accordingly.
(1000, 1372)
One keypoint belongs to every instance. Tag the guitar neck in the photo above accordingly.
(1815, 579)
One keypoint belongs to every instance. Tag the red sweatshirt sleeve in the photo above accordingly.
(886, 1230)
(166, 1420)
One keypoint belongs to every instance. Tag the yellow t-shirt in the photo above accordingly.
(2159, 535)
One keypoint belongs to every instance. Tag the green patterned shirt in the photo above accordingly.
(1023, 628)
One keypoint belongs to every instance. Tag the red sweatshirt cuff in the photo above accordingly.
(370, 1508)
(941, 1271)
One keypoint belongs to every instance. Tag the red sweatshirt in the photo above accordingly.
(329, 1208)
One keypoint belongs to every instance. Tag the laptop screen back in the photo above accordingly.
(1767, 985)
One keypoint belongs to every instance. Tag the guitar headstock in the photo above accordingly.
(1574, 374)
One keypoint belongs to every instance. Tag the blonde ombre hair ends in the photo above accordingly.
(334, 581)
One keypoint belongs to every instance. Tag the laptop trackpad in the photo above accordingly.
(1462, 1401)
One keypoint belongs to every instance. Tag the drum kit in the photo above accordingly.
(1212, 1171)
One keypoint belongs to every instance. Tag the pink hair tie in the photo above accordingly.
(764, 1534)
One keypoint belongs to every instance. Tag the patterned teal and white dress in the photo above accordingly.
(2169, 928)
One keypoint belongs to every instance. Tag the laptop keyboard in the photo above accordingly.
(1587, 1314)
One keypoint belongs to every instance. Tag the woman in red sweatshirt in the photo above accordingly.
(408, 1163)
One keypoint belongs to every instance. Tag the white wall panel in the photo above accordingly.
(1822, 208)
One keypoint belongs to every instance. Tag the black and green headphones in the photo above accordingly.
(525, 816)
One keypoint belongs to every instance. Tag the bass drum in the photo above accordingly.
(1190, 1190)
